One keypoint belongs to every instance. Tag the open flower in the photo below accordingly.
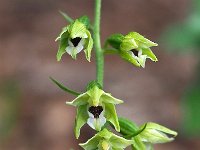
(105, 140)
(138, 47)
(133, 47)
(95, 107)
(73, 39)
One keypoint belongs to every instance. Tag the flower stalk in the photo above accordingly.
(97, 44)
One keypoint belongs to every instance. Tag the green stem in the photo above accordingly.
(97, 44)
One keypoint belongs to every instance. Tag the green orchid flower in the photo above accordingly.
(106, 140)
(133, 47)
(74, 38)
(95, 107)
(145, 136)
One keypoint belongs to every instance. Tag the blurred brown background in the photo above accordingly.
(33, 114)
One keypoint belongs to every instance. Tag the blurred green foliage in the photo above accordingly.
(185, 37)
(9, 107)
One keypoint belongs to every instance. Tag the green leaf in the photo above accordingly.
(64, 88)
(85, 20)
(81, 119)
(111, 115)
(191, 108)
(89, 46)
(115, 40)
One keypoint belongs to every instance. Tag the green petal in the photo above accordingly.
(62, 45)
(149, 53)
(81, 119)
(95, 94)
(127, 56)
(128, 44)
(89, 46)
(77, 29)
(92, 143)
(111, 115)
(141, 40)
(80, 100)
(119, 142)
(65, 29)
(108, 98)
(105, 134)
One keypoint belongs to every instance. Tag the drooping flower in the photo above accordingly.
(145, 136)
(74, 38)
(133, 47)
(106, 140)
(95, 107)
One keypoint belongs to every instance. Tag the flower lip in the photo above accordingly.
(135, 52)
(95, 110)
(76, 41)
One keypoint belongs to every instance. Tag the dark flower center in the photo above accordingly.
(96, 110)
(135, 52)
(75, 41)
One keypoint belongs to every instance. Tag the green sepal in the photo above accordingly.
(92, 143)
(63, 38)
(115, 40)
(82, 99)
(150, 54)
(95, 96)
(140, 40)
(128, 43)
(108, 98)
(89, 46)
(128, 57)
(77, 29)
(85, 20)
(81, 119)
